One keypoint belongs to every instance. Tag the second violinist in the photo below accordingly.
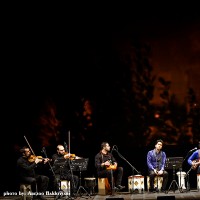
(62, 169)
(26, 171)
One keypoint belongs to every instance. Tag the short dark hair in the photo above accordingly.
(159, 140)
(22, 150)
(103, 144)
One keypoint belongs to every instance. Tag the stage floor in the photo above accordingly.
(193, 194)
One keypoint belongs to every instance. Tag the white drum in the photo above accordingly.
(136, 183)
(157, 182)
(198, 182)
(181, 179)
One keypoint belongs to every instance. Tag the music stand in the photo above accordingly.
(80, 165)
(60, 165)
(174, 163)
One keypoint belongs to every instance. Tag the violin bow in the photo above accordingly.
(29, 145)
(44, 152)
(69, 141)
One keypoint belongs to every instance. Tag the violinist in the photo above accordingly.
(62, 169)
(107, 166)
(26, 165)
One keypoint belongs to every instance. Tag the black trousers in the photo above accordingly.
(165, 179)
(69, 177)
(39, 183)
(117, 175)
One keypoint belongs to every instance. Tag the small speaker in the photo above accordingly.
(166, 198)
(114, 198)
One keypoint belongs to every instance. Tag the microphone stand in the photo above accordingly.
(187, 174)
(72, 175)
(133, 168)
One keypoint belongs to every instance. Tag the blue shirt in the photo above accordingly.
(194, 156)
(156, 160)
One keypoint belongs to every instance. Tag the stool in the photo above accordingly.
(157, 179)
(103, 186)
(25, 191)
(181, 179)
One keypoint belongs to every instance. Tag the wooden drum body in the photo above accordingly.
(90, 183)
(198, 182)
(136, 183)
(158, 180)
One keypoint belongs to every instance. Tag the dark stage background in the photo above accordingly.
(94, 76)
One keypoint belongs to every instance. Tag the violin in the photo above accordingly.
(70, 156)
(32, 158)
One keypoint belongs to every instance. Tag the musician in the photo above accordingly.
(26, 166)
(194, 160)
(62, 169)
(103, 160)
(156, 159)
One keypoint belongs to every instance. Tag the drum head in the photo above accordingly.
(88, 178)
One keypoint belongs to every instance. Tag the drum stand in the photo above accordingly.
(174, 182)
(81, 187)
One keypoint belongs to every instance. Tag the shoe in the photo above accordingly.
(163, 191)
(116, 188)
(120, 187)
(152, 190)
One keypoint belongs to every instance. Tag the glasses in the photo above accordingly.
(61, 150)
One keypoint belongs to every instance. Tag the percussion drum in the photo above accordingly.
(181, 179)
(157, 182)
(90, 183)
(136, 183)
(65, 186)
(198, 182)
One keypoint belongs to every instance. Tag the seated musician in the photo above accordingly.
(194, 160)
(156, 159)
(104, 161)
(62, 169)
(26, 166)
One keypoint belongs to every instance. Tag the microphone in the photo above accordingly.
(193, 149)
(65, 145)
(113, 148)
(43, 150)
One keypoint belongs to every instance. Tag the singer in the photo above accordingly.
(194, 160)
(156, 165)
(103, 160)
